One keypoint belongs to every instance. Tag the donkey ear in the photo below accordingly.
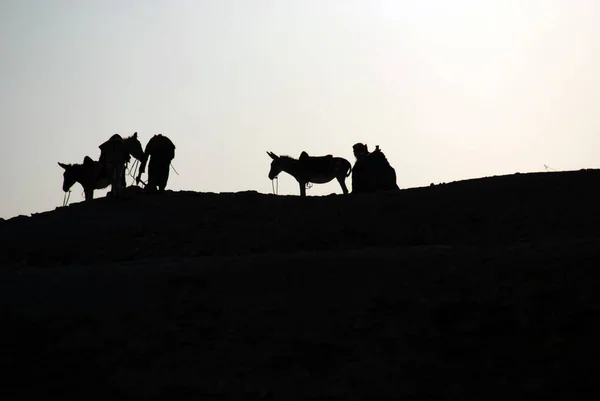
(62, 165)
(272, 155)
(134, 135)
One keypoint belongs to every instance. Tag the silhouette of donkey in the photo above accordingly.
(114, 155)
(311, 169)
(88, 174)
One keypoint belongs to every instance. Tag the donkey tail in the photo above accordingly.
(349, 170)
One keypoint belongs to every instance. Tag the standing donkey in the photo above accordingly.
(88, 174)
(114, 155)
(311, 169)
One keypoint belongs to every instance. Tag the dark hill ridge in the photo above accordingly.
(485, 211)
(483, 289)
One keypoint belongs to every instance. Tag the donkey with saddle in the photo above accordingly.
(311, 169)
(88, 174)
(114, 156)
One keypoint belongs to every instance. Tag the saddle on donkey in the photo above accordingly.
(315, 165)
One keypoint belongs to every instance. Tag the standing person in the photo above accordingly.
(161, 151)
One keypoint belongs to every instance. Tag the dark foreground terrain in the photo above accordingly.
(483, 289)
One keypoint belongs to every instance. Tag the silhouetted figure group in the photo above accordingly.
(110, 169)
(371, 172)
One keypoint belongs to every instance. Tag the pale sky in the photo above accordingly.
(449, 89)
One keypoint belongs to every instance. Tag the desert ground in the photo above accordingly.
(482, 289)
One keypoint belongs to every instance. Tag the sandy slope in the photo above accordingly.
(481, 289)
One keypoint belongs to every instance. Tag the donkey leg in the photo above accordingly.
(120, 180)
(89, 194)
(342, 181)
(116, 184)
(302, 188)
(113, 188)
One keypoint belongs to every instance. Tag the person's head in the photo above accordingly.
(360, 150)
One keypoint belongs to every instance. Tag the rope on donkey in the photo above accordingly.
(66, 198)
(174, 169)
(133, 170)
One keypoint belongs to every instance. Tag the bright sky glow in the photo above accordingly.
(449, 89)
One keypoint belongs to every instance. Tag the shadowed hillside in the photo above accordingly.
(487, 211)
(479, 289)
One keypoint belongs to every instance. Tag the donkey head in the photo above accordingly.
(276, 167)
(134, 147)
(69, 176)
